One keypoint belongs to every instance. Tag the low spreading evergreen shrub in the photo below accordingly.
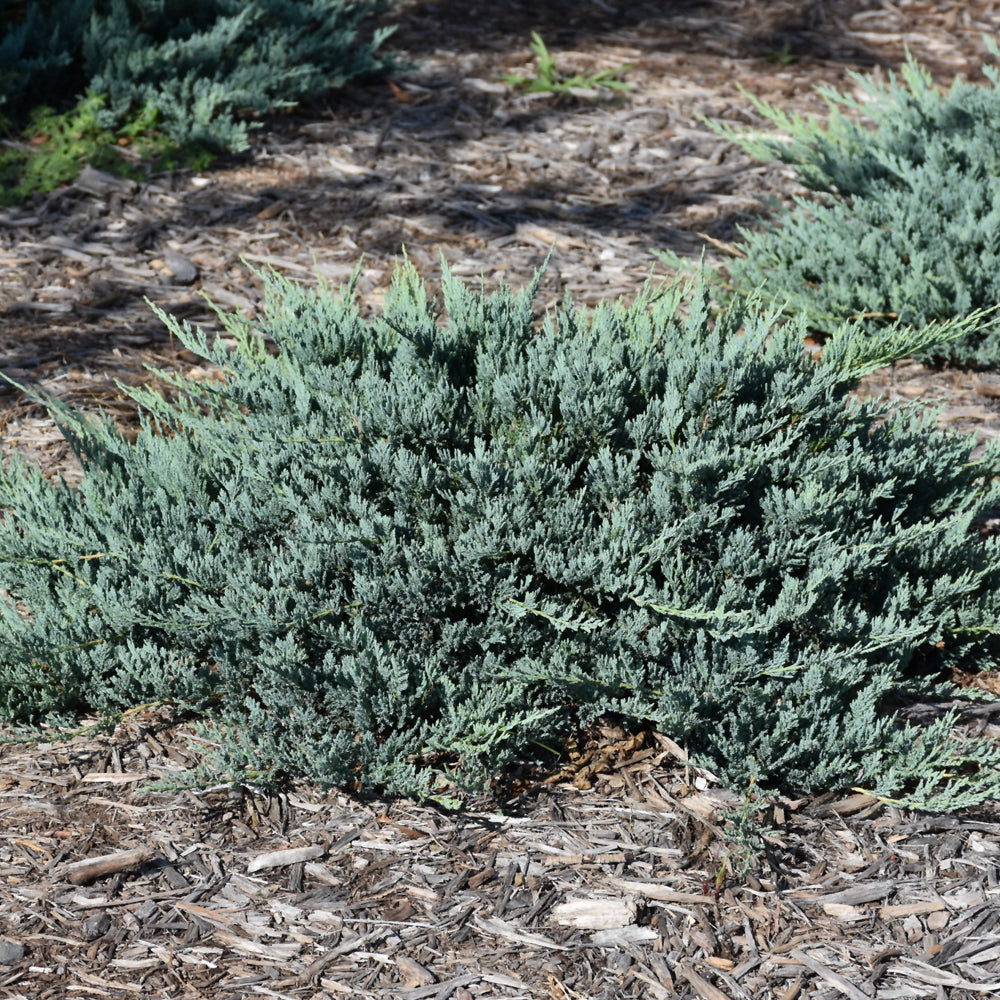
(196, 67)
(906, 221)
(405, 553)
(64, 142)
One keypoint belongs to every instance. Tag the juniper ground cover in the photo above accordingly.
(138, 84)
(905, 222)
(404, 553)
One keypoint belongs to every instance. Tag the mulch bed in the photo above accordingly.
(617, 875)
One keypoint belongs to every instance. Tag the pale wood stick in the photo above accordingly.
(80, 872)
(283, 858)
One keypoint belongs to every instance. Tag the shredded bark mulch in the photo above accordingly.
(616, 876)
(619, 874)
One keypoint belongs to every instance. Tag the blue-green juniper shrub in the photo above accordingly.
(198, 67)
(905, 222)
(404, 553)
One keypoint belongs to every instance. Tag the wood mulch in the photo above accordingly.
(613, 877)
(617, 876)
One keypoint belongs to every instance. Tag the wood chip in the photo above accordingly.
(82, 872)
(837, 981)
(595, 914)
(283, 858)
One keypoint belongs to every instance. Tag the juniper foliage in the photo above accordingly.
(201, 65)
(405, 553)
(906, 220)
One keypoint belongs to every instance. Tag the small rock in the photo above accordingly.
(100, 183)
(96, 926)
(11, 952)
(180, 269)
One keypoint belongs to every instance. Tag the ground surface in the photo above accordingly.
(600, 883)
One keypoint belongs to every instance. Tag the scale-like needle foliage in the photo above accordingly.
(194, 68)
(906, 220)
(406, 552)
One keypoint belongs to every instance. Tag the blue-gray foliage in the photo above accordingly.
(906, 222)
(201, 64)
(404, 552)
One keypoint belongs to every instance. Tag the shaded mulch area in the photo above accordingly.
(448, 162)
(618, 873)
